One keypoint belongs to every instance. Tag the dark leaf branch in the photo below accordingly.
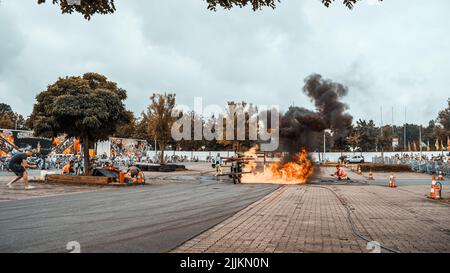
(88, 8)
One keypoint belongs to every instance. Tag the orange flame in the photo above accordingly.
(293, 172)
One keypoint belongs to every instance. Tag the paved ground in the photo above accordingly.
(42, 190)
(313, 218)
(192, 212)
(18, 192)
(154, 218)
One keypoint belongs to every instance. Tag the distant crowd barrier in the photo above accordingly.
(420, 166)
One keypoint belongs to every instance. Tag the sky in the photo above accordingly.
(391, 55)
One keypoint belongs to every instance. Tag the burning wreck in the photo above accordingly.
(300, 130)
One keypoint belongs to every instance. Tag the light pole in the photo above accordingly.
(325, 142)
(420, 142)
(324, 145)
(17, 120)
(404, 134)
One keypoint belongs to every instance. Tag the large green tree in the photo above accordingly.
(444, 118)
(90, 7)
(6, 116)
(363, 136)
(89, 107)
(9, 119)
(128, 130)
(238, 114)
(160, 120)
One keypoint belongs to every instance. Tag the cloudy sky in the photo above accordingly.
(395, 54)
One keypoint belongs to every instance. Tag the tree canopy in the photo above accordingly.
(9, 119)
(91, 7)
(160, 119)
(6, 116)
(89, 107)
(444, 118)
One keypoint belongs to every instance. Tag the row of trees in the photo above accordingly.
(155, 125)
(365, 136)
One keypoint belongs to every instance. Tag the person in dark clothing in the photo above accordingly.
(18, 164)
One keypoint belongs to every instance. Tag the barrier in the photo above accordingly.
(420, 166)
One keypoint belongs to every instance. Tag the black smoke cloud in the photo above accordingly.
(302, 128)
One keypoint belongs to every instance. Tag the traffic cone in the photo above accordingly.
(392, 181)
(371, 175)
(441, 176)
(359, 169)
(435, 189)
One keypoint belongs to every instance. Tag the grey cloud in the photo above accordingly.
(395, 54)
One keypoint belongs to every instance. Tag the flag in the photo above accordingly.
(437, 144)
(448, 143)
(428, 145)
(423, 145)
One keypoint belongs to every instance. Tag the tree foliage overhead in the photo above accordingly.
(90, 7)
(89, 107)
(87, 7)
(348, 3)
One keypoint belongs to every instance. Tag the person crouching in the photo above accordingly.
(340, 173)
(69, 168)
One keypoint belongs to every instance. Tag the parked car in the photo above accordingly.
(356, 159)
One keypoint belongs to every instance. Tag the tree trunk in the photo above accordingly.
(161, 148)
(87, 161)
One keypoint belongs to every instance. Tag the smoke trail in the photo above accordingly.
(300, 127)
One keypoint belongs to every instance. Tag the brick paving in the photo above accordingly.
(312, 219)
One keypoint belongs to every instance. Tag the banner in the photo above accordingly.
(11, 141)
(395, 143)
(123, 147)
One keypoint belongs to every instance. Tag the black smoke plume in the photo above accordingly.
(302, 128)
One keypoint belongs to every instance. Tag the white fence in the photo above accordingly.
(368, 156)
(192, 155)
(420, 166)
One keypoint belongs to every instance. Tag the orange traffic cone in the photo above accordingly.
(359, 169)
(122, 177)
(371, 175)
(441, 176)
(392, 182)
(435, 189)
